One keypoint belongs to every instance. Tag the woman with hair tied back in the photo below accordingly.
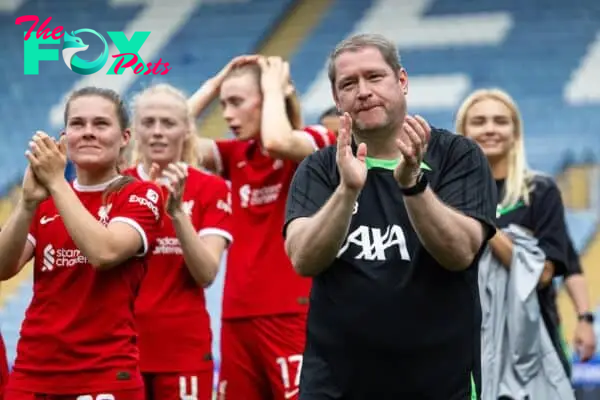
(173, 323)
(532, 201)
(264, 302)
(90, 241)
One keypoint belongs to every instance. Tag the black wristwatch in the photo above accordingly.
(417, 188)
(587, 317)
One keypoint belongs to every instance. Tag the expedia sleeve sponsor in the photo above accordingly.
(146, 203)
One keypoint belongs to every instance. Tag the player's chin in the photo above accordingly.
(91, 161)
(163, 158)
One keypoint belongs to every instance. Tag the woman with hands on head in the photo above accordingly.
(173, 323)
(264, 301)
(89, 241)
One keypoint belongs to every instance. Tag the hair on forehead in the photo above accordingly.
(245, 69)
(106, 94)
(386, 47)
(161, 89)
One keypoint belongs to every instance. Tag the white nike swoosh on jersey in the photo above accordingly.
(45, 220)
(241, 164)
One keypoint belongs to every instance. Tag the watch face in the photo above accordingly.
(587, 317)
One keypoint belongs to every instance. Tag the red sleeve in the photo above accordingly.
(141, 205)
(215, 216)
(223, 153)
(322, 136)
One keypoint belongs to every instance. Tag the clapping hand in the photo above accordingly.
(412, 145)
(352, 168)
(173, 177)
(47, 159)
(33, 191)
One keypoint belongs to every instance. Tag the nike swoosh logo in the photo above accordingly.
(45, 220)
(291, 393)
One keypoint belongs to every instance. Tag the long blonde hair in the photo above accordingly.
(188, 154)
(519, 176)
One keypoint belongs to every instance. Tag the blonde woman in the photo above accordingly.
(529, 199)
(173, 323)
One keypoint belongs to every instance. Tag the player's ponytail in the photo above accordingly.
(119, 183)
(122, 118)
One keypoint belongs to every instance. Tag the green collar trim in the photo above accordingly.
(390, 164)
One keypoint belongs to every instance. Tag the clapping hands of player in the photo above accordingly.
(275, 75)
(173, 177)
(412, 144)
(352, 168)
(33, 191)
(47, 159)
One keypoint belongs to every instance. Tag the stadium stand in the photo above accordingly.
(543, 53)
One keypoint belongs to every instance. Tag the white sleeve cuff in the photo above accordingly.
(31, 239)
(139, 229)
(311, 139)
(217, 232)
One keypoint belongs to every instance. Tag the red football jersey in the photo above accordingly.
(173, 324)
(79, 332)
(260, 279)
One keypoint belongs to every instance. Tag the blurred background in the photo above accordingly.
(545, 53)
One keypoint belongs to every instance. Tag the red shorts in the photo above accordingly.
(261, 357)
(131, 394)
(177, 386)
(3, 369)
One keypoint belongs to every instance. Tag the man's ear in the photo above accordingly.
(403, 79)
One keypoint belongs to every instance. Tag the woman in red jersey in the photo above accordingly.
(264, 302)
(89, 241)
(172, 321)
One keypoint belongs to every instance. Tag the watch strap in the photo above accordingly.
(417, 188)
(587, 317)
